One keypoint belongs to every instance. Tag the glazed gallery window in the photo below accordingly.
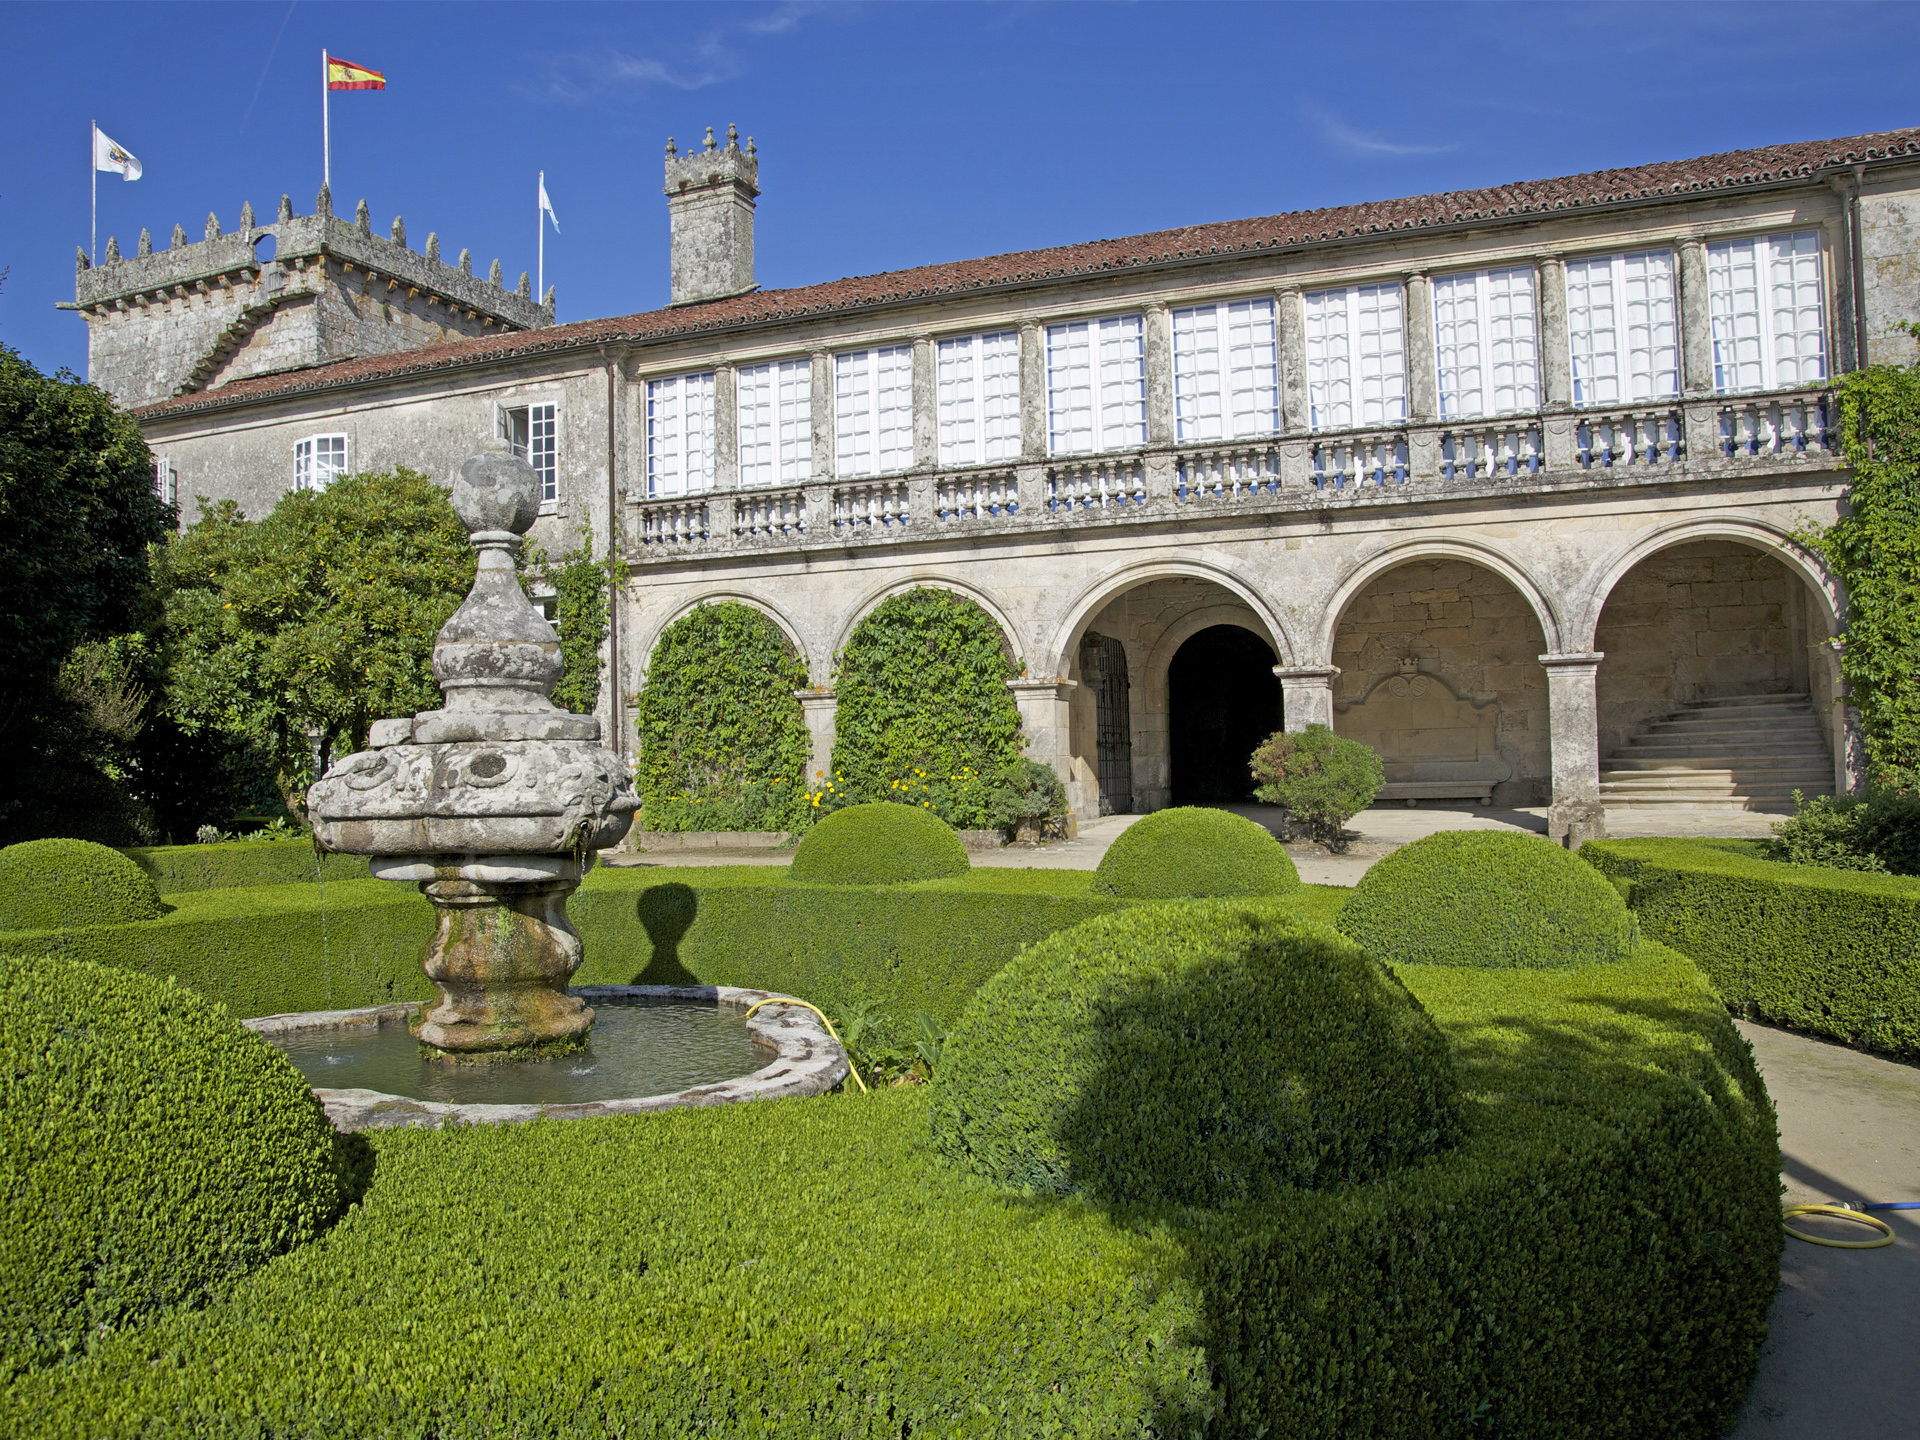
(165, 484)
(1226, 371)
(977, 391)
(1356, 357)
(680, 435)
(1623, 328)
(317, 461)
(774, 413)
(532, 431)
(1765, 298)
(1096, 386)
(1487, 343)
(873, 411)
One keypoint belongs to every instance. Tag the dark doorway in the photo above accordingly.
(1222, 701)
(1103, 670)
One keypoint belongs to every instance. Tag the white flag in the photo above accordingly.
(109, 156)
(546, 204)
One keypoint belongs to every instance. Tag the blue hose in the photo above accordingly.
(1881, 1205)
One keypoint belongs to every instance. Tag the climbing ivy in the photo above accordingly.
(924, 711)
(1875, 550)
(581, 586)
(723, 745)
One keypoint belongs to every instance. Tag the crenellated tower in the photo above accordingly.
(305, 290)
(710, 195)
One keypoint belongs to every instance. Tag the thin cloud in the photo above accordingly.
(712, 59)
(1356, 142)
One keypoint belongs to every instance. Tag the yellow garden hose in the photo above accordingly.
(1839, 1212)
(852, 1069)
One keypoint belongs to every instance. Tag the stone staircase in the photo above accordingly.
(1741, 753)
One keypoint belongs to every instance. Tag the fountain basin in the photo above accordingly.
(797, 1057)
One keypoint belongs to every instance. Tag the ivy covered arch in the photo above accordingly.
(723, 744)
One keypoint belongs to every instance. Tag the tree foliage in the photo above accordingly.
(581, 587)
(922, 696)
(723, 744)
(319, 618)
(1321, 779)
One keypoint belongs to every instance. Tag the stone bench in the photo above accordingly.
(1413, 791)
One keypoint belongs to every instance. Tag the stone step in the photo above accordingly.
(1730, 750)
(1812, 763)
(1708, 786)
(1805, 726)
(1736, 779)
(1714, 702)
(1735, 753)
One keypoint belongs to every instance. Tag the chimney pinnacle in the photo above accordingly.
(179, 237)
(710, 137)
(286, 209)
(399, 232)
(494, 275)
(733, 138)
(246, 215)
(80, 262)
(146, 242)
(433, 245)
(526, 287)
(671, 151)
(213, 226)
(323, 207)
(466, 261)
(113, 249)
(363, 218)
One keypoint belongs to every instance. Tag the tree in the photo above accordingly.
(77, 515)
(298, 631)
(1321, 779)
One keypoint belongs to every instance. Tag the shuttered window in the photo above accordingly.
(977, 388)
(1486, 341)
(1096, 386)
(680, 435)
(1356, 357)
(1226, 371)
(1623, 329)
(1767, 303)
(775, 418)
(873, 411)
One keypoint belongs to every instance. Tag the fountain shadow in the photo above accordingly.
(667, 912)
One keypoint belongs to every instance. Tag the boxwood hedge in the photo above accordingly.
(1192, 852)
(879, 844)
(1830, 952)
(46, 884)
(1595, 1258)
(174, 868)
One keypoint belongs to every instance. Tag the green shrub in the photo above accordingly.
(1487, 898)
(1319, 778)
(1878, 831)
(1025, 792)
(151, 1152)
(52, 884)
(1203, 1054)
(1827, 952)
(878, 845)
(723, 743)
(177, 868)
(1191, 852)
(1594, 1259)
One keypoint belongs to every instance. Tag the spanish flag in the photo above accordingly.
(345, 75)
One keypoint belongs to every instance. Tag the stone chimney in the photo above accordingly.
(710, 195)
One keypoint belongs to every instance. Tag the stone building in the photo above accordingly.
(1503, 482)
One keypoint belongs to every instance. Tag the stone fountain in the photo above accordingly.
(494, 805)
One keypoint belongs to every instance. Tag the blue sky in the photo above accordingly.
(890, 134)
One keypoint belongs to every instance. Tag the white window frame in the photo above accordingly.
(873, 411)
(1226, 371)
(1486, 342)
(1356, 344)
(166, 483)
(977, 398)
(773, 422)
(1767, 309)
(1623, 327)
(314, 466)
(1097, 385)
(680, 435)
(537, 441)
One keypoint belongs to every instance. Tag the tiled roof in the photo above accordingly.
(1732, 171)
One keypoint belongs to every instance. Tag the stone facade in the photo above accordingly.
(1503, 556)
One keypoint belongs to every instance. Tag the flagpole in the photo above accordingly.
(326, 126)
(540, 224)
(93, 157)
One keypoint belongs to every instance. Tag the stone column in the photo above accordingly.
(1033, 392)
(726, 430)
(1423, 402)
(1158, 342)
(1306, 695)
(817, 708)
(821, 374)
(1573, 717)
(1696, 323)
(1556, 356)
(1046, 722)
(926, 414)
(1290, 333)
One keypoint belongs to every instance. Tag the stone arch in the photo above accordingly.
(1115, 583)
(872, 600)
(1411, 551)
(789, 627)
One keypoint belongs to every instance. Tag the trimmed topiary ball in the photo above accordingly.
(1196, 1054)
(1194, 853)
(151, 1151)
(1488, 898)
(63, 884)
(879, 845)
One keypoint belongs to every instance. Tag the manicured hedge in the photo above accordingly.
(1832, 952)
(151, 1152)
(1206, 1054)
(49, 883)
(1595, 1259)
(1193, 852)
(879, 844)
(174, 868)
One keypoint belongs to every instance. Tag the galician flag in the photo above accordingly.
(546, 204)
(109, 156)
(345, 75)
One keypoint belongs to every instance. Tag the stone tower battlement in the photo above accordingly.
(196, 316)
(710, 196)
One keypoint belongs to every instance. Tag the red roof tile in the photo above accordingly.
(1642, 183)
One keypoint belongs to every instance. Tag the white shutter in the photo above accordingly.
(680, 435)
(1356, 357)
(1799, 324)
(1486, 343)
(1096, 385)
(1226, 375)
(1767, 305)
(977, 393)
(543, 449)
(873, 411)
(793, 415)
(754, 427)
(1622, 328)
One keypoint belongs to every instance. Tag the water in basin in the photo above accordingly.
(637, 1048)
